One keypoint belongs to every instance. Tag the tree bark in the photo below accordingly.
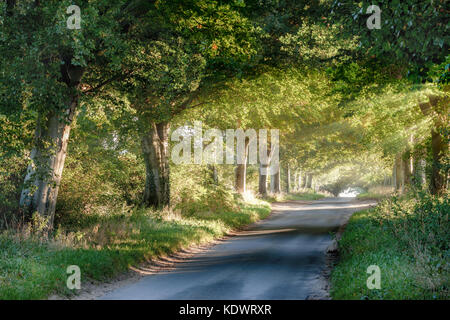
(275, 182)
(438, 149)
(241, 172)
(155, 148)
(262, 183)
(419, 175)
(309, 178)
(299, 181)
(407, 170)
(263, 172)
(438, 109)
(48, 155)
(304, 180)
(398, 174)
(294, 181)
(287, 178)
(213, 173)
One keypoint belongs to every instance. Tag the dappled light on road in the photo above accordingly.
(287, 251)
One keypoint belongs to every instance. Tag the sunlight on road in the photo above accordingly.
(338, 205)
(349, 193)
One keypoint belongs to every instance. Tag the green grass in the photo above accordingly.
(371, 196)
(306, 196)
(408, 240)
(34, 269)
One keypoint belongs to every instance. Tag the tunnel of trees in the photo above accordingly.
(86, 114)
(355, 107)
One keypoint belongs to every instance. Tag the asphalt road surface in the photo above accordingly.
(278, 258)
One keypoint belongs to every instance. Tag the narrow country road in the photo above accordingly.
(278, 258)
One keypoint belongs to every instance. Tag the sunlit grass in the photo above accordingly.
(371, 196)
(295, 196)
(304, 196)
(413, 262)
(34, 269)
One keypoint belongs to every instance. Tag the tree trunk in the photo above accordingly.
(438, 149)
(263, 172)
(294, 182)
(288, 178)
(240, 178)
(155, 148)
(213, 173)
(299, 181)
(419, 173)
(309, 179)
(438, 108)
(262, 185)
(241, 172)
(304, 180)
(275, 182)
(407, 171)
(398, 174)
(48, 155)
(394, 176)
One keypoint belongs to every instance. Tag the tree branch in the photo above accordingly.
(120, 76)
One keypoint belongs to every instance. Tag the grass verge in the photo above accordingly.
(33, 268)
(371, 196)
(407, 239)
(306, 196)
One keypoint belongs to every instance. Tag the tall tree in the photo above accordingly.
(51, 59)
(186, 46)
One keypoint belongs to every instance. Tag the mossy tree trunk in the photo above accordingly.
(155, 148)
(48, 155)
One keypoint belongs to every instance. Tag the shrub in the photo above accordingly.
(12, 173)
(408, 239)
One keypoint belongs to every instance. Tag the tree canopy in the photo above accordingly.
(340, 93)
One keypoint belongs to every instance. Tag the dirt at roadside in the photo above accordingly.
(322, 290)
(332, 258)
